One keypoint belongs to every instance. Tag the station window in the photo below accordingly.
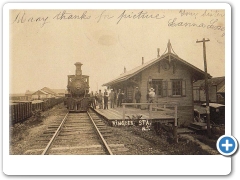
(171, 88)
(160, 87)
(177, 87)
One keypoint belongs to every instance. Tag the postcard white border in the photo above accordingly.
(114, 165)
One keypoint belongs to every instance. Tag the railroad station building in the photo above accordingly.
(40, 94)
(43, 93)
(216, 88)
(171, 77)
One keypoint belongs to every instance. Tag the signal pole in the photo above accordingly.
(206, 85)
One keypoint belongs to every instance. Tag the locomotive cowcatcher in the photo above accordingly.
(77, 99)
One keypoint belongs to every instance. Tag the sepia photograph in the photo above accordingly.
(116, 81)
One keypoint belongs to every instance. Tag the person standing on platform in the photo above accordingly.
(96, 98)
(138, 96)
(119, 98)
(151, 95)
(100, 96)
(115, 97)
(123, 98)
(111, 96)
(92, 99)
(148, 96)
(105, 99)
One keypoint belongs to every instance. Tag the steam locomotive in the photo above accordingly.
(77, 98)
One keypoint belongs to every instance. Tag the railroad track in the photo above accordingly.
(78, 133)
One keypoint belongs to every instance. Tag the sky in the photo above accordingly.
(45, 44)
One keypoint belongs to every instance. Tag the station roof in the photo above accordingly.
(125, 76)
(40, 92)
(48, 90)
(213, 81)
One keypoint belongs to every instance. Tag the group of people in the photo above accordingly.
(101, 99)
(116, 98)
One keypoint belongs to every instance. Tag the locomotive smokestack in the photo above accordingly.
(78, 68)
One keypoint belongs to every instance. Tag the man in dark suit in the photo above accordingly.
(105, 99)
(138, 96)
(119, 98)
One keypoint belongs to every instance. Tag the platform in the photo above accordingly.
(116, 114)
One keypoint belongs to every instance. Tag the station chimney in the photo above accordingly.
(142, 60)
(125, 69)
(78, 68)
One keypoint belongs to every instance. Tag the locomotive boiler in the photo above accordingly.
(77, 99)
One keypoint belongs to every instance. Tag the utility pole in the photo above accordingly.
(206, 85)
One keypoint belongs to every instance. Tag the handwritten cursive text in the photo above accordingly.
(64, 15)
(139, 15)
(22, 18)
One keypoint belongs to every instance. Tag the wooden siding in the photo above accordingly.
(200, 96)
(185, 103)
(199, 93)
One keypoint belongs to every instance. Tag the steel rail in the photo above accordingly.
(54, 136)
(100, 135)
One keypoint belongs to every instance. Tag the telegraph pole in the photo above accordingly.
(206, 85)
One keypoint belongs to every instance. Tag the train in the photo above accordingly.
(77, 97)
(20, 111)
